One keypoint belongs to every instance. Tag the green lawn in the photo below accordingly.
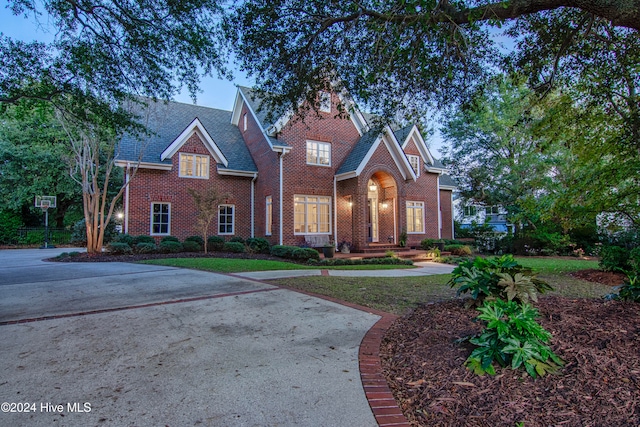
(398, 295)
(233, 265)
(394, 295)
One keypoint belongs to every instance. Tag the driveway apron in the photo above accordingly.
(126, 344)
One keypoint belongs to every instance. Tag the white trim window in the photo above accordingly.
(194, 166)
(244, 121)
(226, 219)
(415, 163)
(312, 215)
(160, 219)
(324, 99)
(415, 217)
(268, 215)
(470, 211)
(318, 153)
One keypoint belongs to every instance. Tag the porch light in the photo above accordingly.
(349, 201)
(373, 187)
(385, 205)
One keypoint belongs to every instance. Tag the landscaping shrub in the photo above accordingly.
(235, 247)
(145, 248)
(512, 337)
(170, 247)
(117, 248)
(215, 243)
(258, 245)
(282, 251)
(460, 250)
(305, 254)
(191, 246)
(500, 277)
(614, 258)
(170, 239)
(143, 239)
(124, 238)
(365, 261)
(427, 244)
(198, 239)
(634, 260)
(237, 239)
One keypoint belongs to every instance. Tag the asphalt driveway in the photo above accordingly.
(124, 344)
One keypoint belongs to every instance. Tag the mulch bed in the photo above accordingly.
(597, 276)
(598, 386)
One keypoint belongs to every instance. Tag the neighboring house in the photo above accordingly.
(495, 216)
(290, 181)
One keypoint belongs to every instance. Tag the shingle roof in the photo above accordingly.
(402, 133)
(446, 180)
(358, 152)
(168, 120)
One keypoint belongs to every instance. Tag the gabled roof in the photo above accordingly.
(361, 153)
(447, 183)
(173, 123)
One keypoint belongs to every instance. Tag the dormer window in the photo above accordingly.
(194, 166)
(325, 101)
(415, 163)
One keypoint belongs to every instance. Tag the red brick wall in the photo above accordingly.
(150, 186)
(303, 179)
(447, 214)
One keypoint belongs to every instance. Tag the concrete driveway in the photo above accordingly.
(136, 345)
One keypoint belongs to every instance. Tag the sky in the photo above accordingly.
(215, 93)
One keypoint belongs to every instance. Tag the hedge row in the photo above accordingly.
(365, 261)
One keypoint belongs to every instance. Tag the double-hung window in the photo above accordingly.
(415, 217)
(312, 215)
(226, 219)
(415, 163)
(160, 218)
(470, 211)
(318, 153)
(194, 166)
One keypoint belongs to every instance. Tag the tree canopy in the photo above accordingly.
(411, 55)
(105, 51)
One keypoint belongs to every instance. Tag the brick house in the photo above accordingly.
(293, 182)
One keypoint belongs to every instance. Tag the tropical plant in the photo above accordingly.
(628, 291)
(500, 277)
(512, 337)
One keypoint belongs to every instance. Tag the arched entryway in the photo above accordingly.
(381, 216)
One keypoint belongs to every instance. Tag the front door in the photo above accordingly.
(372, 220)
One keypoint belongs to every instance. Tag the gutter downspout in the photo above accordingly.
(253, 203)
(335, 211)
(282, 154)
(453, 227)
(126, 200)
(439, 210)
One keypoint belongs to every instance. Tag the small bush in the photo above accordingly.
(305, 254)
(124, 238)
(634, 260)
(170, 239)
(614, 258)
(198, 239)
(237, 239)
(459, 250)
(143, 239)
(191, 246)
(499, 277)
(512, 337)
(145, 248)
(282, 251)
(365, 261)
(259, 245)
(427, 244)
(170, 247)
(215, 243)
(235, 247)
(119, 248)
(629, 291)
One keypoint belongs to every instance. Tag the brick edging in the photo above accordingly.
(383, 405)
